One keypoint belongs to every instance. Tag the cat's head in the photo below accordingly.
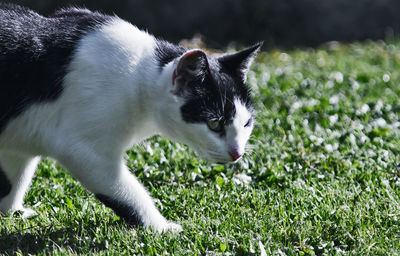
(213, 101)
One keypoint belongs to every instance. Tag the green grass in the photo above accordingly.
(324, 168)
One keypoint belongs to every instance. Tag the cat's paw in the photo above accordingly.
(27, 213)
(19, 211)
(23, 212)
(168, 227)
(174, 227)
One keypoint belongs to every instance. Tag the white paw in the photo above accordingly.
(27, 212)
(174, 227)
(23, 212)
(168, 227)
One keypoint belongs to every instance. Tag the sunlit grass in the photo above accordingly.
(324, 167)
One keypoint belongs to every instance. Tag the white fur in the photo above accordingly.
(237, 133)
(114, 97)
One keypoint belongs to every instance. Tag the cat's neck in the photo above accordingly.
(164, 107)
(152, 100)
(148, 79)
(124, 68)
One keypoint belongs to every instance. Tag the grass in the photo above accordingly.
(324, 169)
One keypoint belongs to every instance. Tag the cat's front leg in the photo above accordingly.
(16, 172)
(129, 199)
(117, 188)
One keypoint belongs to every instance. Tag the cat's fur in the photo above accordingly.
(82, 88)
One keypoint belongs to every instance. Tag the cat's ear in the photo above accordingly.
(240, 62)
(192, 66)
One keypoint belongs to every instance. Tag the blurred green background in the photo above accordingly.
(282, 23)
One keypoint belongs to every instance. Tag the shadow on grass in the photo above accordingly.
(46, 239)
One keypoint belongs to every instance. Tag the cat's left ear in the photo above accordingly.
(192, 66)
(240, 62)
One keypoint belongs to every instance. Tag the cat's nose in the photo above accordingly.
(235, 155)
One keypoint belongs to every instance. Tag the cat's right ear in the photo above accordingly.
(192, 66)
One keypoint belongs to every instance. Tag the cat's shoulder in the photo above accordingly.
(73, 12)
(80, 16)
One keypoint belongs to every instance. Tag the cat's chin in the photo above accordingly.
(221, 159)
(216, 159)
(227, 161)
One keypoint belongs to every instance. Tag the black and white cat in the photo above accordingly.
(82, 88)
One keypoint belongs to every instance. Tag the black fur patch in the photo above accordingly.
(166, 52)
(213, 98)
(34, 54)
(121, 209)
(5, 185)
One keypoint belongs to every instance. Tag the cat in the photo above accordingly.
(82, 88)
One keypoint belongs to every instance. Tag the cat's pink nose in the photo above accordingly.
(235, 155)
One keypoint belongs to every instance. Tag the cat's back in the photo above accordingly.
(18, 26)
(22, 29)
(35, 52)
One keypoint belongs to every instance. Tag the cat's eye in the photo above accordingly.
(248, 122)
(214, 125)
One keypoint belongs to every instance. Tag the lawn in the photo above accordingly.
(321, 177)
